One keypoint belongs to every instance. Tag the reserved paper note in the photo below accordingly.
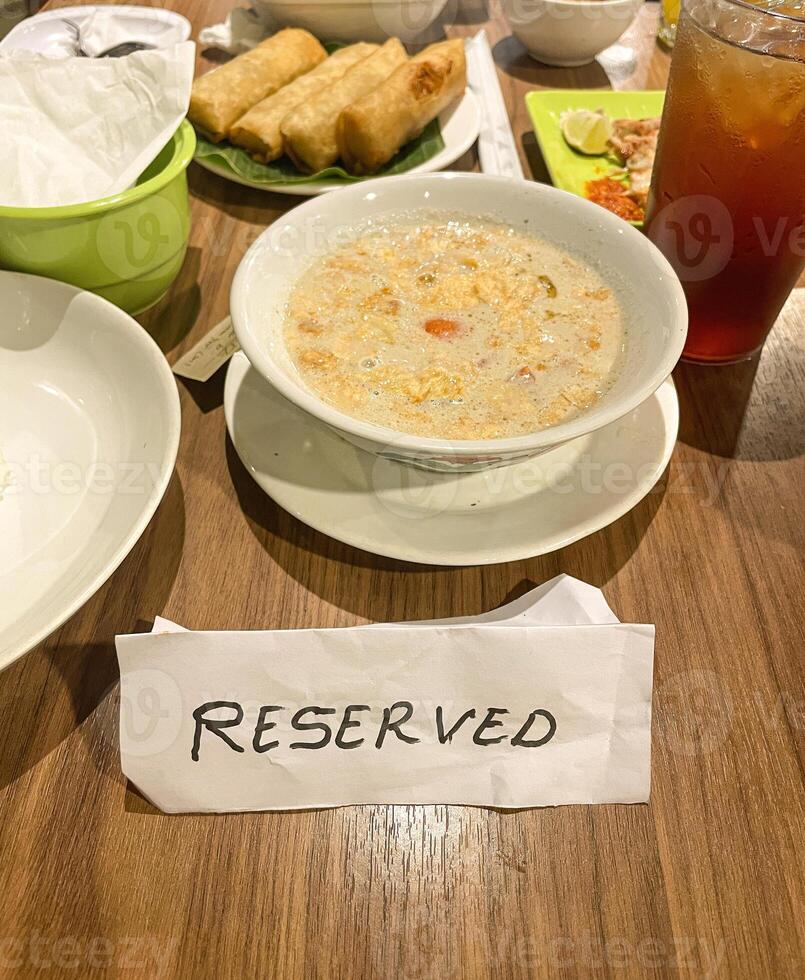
(214, 349)
(488, 714)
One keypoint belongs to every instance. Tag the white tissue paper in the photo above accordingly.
(243, 29)
(78, 129)
(555, 664)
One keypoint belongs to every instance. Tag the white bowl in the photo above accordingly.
(89, 428)
(569, 32)
(355, 20)
(647, 286)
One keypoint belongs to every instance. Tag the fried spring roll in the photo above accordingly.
(308, 132)
(222, 96)
(258, 131)
(373, 128)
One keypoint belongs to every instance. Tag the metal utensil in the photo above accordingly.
(76, 31)
(124, 48)
(116, 51)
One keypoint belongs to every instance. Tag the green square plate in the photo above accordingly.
(569, 169)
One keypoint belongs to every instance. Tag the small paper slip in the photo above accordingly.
(497, 151)
(501, 710)
(214, 349)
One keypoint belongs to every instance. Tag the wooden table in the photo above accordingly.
(705, 880)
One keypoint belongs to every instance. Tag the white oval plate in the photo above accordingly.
(46, 33)
(459, 123)
(89, 429)
(505, 514)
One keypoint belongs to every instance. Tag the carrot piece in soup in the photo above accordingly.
(441, 327)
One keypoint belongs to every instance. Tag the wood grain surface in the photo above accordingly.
(704, 881)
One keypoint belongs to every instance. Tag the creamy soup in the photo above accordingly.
(454, 329)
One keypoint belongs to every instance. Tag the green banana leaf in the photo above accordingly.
(282, 171)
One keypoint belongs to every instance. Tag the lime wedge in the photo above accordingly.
(586, 131)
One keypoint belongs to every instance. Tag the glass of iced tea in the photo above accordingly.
(727, 200)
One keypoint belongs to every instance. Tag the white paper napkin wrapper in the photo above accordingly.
(78, 129)
(556, 657)
(497, 151)
(243, 28)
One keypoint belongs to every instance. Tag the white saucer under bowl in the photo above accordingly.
(89, 428)
(391, 509)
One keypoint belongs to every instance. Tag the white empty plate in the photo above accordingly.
(395, 510)
(89, 429)
(459, 124)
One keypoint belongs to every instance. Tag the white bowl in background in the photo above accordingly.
(355, 20)
(569, 33)
(648, 289)
(89, 428)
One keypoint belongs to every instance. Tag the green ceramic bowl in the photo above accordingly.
(127, 248)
